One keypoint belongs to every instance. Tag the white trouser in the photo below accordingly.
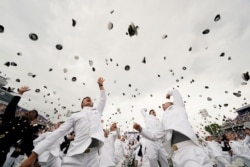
(90, 159)
(9, 161)
(19, 160)
(53, 161)
(227, 156)
(246, 162)
(189, 154)
(221, 161)
(154, 153)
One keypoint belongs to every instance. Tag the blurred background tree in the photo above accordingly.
(212, 129)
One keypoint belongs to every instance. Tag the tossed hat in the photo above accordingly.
(245, 76)
(1, 29)
(132, 30)
(33, 36)
(247, 125)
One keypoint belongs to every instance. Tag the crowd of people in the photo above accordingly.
(81, 141)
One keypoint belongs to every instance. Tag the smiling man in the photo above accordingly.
(88, 135)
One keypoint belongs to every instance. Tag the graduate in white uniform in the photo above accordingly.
(120, 150)
(216, 150)
(247, 133)
(107, 152)
(87, 126)
(239, 148)
(226, 149)
(154, 152)
(180, 139)
(51, 157)
(125, 146)
(137, 153)
(207, 150)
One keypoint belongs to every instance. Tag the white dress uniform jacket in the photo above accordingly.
(216, 150)
(107, 152)
(120, 151)
(54, 149)
(153, 150)
(247, 140)
(86, 125)
(175, 118)
(51, 156)
(240, 150)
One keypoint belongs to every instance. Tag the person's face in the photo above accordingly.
(31, 115)
(219, 139)
(152, 112)
(87, 102)
(113, 127)
(230, 136)
(247, 131)
(166, 105)
(209, 138)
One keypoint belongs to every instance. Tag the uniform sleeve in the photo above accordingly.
(237, 151)
(143, 112)
(153, 135)
(28, 142)
(177, 98)
(136, 145)
(10, 110)
(40, 138)
(247, 140)
(102, 101)
(60, 132)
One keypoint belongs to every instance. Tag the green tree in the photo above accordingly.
(212, 129)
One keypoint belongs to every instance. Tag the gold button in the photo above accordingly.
(174, 147)
(87, 150)
(2, 136)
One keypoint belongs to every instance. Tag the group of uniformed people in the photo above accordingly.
(168, 142)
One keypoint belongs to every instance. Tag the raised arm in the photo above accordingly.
(48, 141)
(10, 110)
(149, 134)
(144, 112)
(102, 100)
(23, 89)
(177, 98)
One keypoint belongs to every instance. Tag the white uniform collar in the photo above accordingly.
(169, 108)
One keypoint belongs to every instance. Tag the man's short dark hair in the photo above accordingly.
(36, 113)
(86, 98)
(151, 110)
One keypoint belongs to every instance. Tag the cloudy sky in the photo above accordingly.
(206, 68)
